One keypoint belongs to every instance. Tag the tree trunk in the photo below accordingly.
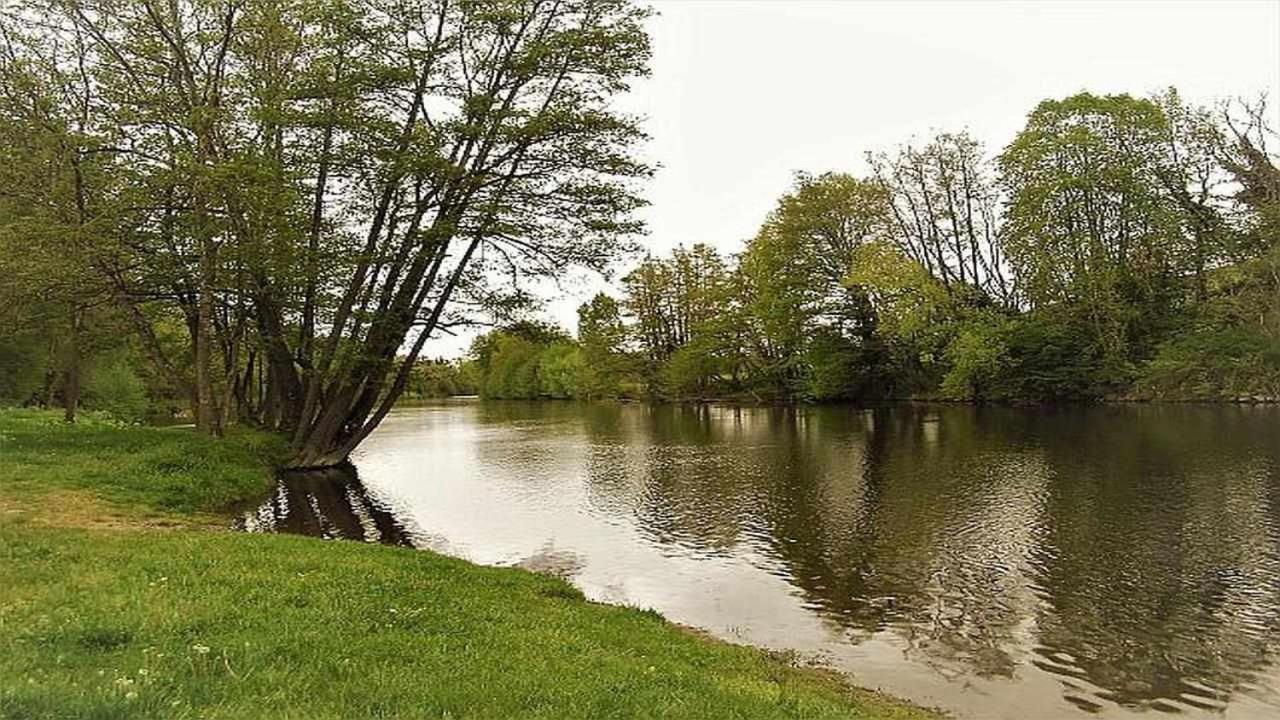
(285, 385)
(208, 419)
(71, 382)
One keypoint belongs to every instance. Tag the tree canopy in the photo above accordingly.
(308, 190)
(1117, 247)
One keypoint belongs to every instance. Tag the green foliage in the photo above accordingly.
(509, 369)
(319, 186)
(672, 300)
(1090, 217)
(910, 303)
(22, 368)
(684, 311)
(528, 360)
(1230, 347)
(946, 212)
(440, 379)
(843, 368)
(1113, 249)
(602, 336)
(559, 368)
(691, 371)
(1113, 238)
(977, 356)
(1054, 356)
(793, 274)
(1214, 363)
(114, 387)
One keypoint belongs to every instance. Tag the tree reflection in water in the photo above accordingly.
(1120, 558)
(1132, 552)
(330, 503)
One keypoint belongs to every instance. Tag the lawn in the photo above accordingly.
(155, 614)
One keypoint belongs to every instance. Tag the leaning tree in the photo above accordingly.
(313, 188)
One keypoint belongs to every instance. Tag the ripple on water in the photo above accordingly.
(1079, 561)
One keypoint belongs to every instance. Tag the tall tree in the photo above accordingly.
(602, 337)
(672, 299)
(1199, 185)
(793, 273)
(1244, 142)
(54, 213)
(317, 185)
(945, 208)
(1089, 221)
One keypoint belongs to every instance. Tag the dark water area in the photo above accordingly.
(1071, 562)
(331, 504)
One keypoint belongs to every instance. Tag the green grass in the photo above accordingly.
(143, 469)
(136, 622)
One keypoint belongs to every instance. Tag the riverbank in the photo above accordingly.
(120, 598)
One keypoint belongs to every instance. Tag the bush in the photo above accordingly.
(690, 371)
(1214, 363)
(841, 368)
(440, 378)
(977, 356)
(22, 367)
(512, 368)
(112, 386)
(1053, 356)
(558, 369)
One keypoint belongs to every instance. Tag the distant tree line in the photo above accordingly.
(441, 378)
(1117, 247)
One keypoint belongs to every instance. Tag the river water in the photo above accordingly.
(1100, 561)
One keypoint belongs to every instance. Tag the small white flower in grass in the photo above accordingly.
(144, 672)
(131, 695)
(200, 649)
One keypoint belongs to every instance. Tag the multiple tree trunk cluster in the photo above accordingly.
(285, 200)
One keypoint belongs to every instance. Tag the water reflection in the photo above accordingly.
(998, 562)
(332, 504)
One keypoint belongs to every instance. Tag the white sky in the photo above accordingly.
(743, 94)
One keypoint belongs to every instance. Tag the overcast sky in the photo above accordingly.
(743, 94)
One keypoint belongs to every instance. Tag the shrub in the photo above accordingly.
(22, 367)
(1214, 363)
(558, 368)
(112, 386)
(1053, 356)
(978, 356)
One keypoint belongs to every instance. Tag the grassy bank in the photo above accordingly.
(129, 471)
(117, 601)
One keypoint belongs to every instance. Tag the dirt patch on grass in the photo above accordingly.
(76, 509)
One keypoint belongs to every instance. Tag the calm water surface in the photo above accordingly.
(996, 562)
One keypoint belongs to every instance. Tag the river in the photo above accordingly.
(1089, 561)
